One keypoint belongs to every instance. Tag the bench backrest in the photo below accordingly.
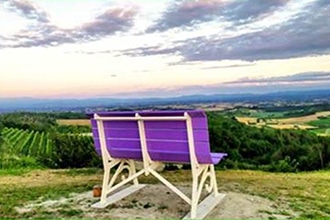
(166, 140)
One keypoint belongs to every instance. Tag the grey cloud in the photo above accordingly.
(187, 12)
(229, 66)
(46, 34)
(111, 21)
(50, 36)
(244, 11)
(27, 9)
(310, 77)
(306, 34)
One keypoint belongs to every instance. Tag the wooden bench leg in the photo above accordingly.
(109, 185)
(200, 175)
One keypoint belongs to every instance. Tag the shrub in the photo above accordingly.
(72, 151)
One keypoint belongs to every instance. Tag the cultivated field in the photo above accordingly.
(85, 122)
(304, 119)
(309, 122)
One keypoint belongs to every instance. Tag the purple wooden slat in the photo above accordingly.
(169, 134)
(202, 147)
(176, 134)
(95, 133)
(98, 151)
(174, 157)
(182, 157)
(126, 153)
(120, 124)
(122, 133)
(133, 143)
(161, 113)
(97, 143)
(117, 124)
(112, 114)
(118, 143)
(201, 135)
(157, 147)
(199, 123)
(167, 145)
(165, 125)
(197, 113)
(217, 157)
(93, 123)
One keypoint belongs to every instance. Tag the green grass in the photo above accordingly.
(321, 131)
(268, 115)
(18, 196)
(306, 194)
(82, 171)
(258, 114)
(321, 123)
(15, 171)
(323, 126)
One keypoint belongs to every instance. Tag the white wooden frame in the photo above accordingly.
(200, 172)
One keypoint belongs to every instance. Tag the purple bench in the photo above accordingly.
(155, 137)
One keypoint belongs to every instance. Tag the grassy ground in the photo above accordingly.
(307, 194)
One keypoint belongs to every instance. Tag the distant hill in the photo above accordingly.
(33, 104)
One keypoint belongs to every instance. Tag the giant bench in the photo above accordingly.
(155, 137)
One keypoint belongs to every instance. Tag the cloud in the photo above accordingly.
(186, 13)
(48, 35)
(310, 77)
(229, 66)
(27, 9)
(244, 11)
(109, 22)
(305, 34)
(44, 33)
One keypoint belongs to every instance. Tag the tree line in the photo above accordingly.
(267, 148)
(247, 147)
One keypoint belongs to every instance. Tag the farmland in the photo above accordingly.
(318, 122)
(23, 147)
(82, 122)
(27, 142)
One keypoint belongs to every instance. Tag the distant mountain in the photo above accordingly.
(33, 104)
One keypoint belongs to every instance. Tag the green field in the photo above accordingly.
(258, 114)
(21, 147)
(316, 122)
(321, 123)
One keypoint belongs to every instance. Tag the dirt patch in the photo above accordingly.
(47, 177)
(156, 202)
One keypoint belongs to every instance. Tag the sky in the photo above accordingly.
(149, 48)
